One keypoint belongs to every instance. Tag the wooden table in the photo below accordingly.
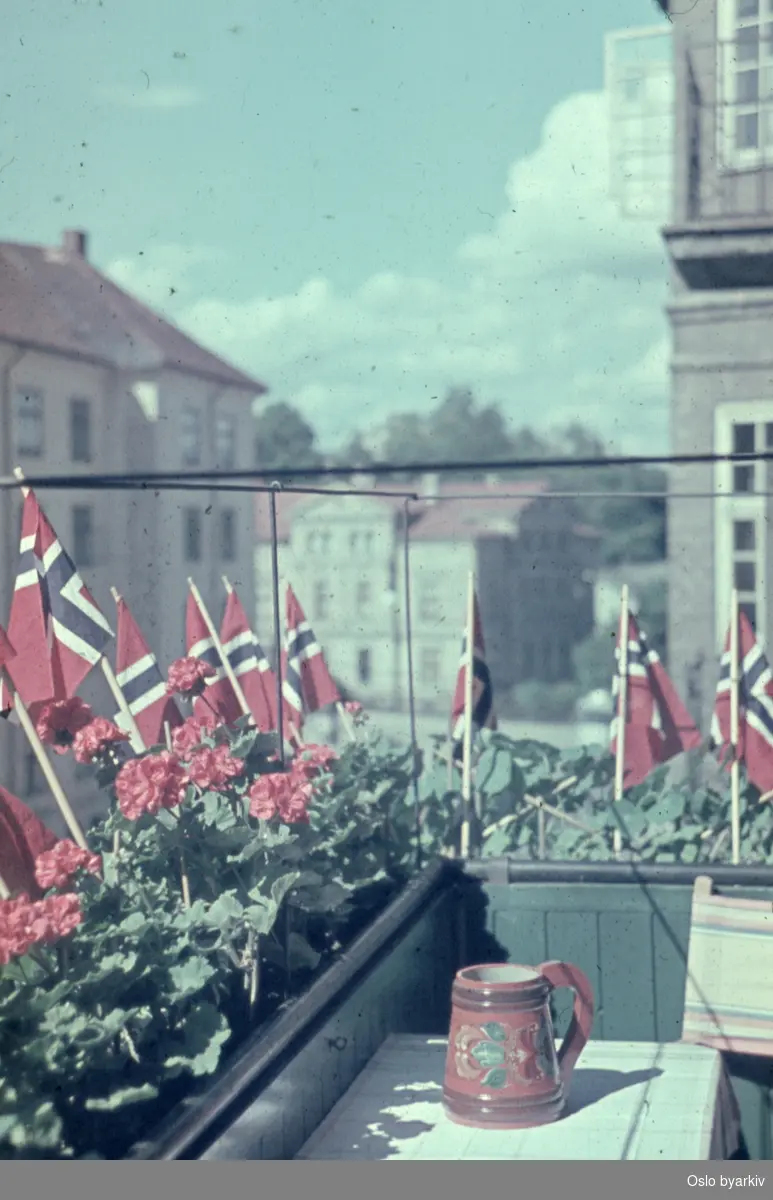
(629, 1100)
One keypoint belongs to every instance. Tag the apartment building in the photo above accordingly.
(93, 381)
(345, 558)
(720, 242)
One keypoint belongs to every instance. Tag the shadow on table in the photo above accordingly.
(591, 1084)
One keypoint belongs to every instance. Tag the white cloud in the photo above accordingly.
(556, 311)
(146, 94)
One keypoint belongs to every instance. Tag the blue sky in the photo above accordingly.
(362, 203)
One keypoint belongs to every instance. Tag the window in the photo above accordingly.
(749, 610)
(192, 534)
(225, 442)
(83, 535)
(363, 596)
(428, 604)
(743, 535)
(228, 534)
(80, 430)
(321, 597)
(33, 782)
(29, 420)
(745, 31)
(741, 509)
(191, 436)
(363, 666)
(429, 665)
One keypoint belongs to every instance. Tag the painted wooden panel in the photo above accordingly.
(632, 942)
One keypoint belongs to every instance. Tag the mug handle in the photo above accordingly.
(560, 975)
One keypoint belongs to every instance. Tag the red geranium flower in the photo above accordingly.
(25, 923)
(209, 768)
(187, 737)
(188, 676)
(146, 785)
(264, 796)
(56, 867)
(59, 720)
(310, 760)
(92, 741)
(356, 711)
(285, 796)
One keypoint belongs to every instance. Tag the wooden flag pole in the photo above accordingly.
(735, 765)
(229, 671)
(5, 891)
(468, 694)
(45, 764)
(137, 742)
(622, 709)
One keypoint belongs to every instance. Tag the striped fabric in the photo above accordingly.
(729, 989)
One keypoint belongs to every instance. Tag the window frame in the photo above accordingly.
(83, 552)
(364, 657)
(731, 507)
(192, 519)
(84, 405)
(231, 541)
(191, 436)
(19, 422)
(226, 461)
(730, 157)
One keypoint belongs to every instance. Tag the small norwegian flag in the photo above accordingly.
(56, 629)
(755, 708)
(657, 724)
(140, 679)
(23, 836)
(307, 684)
(249, 665)
(483, 715)
(218, 696)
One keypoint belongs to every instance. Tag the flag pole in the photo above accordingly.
(5, 891)
(44, 762)
(468, 693)
(622, 709)
(137, 741)
(280, 735)
(735, 765)
(229, 671)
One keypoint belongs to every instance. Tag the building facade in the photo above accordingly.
(720, 242)
(91, 381)
(345, 558)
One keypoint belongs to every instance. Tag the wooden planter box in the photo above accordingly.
(626, 926)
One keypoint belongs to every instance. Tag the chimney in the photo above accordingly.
(430, 486)
(74, 243)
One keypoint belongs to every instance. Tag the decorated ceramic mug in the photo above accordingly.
(502, 1069)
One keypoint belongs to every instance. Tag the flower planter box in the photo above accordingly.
(395, 977)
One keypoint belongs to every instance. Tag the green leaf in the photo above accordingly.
(670, 807)
(121, 1098)
(280, 887)
(190, 977)
(261, 917)
(488, 1054)
(204, 1034)
(495, 1078)
(495, 1031)
(300, 955)
(225, 911)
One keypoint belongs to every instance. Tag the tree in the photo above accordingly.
(283, 439)
(594, 661)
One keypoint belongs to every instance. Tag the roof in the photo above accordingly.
(53, 299)
(484, 509)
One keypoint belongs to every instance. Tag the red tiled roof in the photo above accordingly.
(54, 300)
(493, 509)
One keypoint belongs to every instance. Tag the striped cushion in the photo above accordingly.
(729, 989)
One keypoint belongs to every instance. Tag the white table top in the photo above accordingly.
(628, 1100)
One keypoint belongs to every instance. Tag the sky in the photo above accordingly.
(360, 202)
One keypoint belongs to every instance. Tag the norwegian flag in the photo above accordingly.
(218, 696)
(140, 679)
(55, 627)
(249, 665)
(23, 836)
(483, 715)
(657, 724)
(307, 684)
(755, 708)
